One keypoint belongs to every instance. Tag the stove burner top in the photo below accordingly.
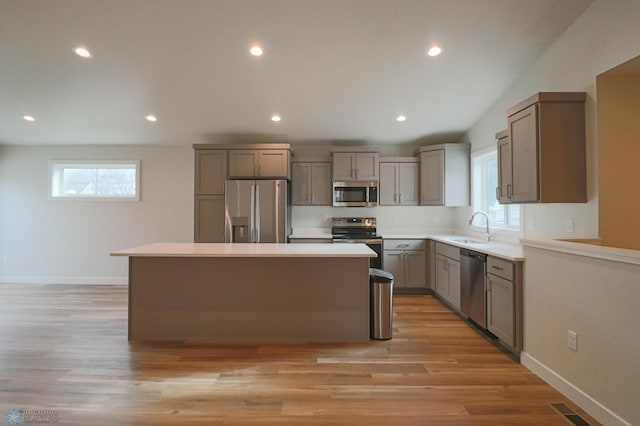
(354, 228)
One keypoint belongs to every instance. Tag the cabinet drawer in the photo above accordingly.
(404, 244)
(447, 250)
(500, 267)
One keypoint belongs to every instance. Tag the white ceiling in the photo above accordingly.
(333, 69)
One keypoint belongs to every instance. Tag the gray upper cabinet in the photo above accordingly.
(261, 163)
(546, 144)
(311, 183)
(505, 185)
(353, 166)
(444, 175)
(210, 171)
(399, 182)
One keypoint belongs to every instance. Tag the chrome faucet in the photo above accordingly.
(480, 212)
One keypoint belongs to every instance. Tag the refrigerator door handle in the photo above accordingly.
(252, 218)
(257, 213)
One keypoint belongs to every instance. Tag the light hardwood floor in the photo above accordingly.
(65, 348)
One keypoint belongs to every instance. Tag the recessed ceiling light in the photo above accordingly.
(151, 118)
(28, 118)
(275, 118)
(256, 51)
(434, 51)
(401, 118)
(82, 51)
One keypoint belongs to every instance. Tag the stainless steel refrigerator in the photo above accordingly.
(256, 211)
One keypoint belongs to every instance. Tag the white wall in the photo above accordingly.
(598, 299)
(44, 240)
(605, 35)
(389, 218)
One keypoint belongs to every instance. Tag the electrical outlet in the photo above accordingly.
(572, 340)
(569, 224)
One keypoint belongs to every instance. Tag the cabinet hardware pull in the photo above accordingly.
(509, 192)
(403, 245)
(497, 268)
(497, 192)
(400, 198)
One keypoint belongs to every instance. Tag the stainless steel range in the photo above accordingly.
(358, 230)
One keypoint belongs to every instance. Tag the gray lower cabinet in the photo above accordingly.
(209, 219)
(407, 261)
(504, 301)
(447, 273)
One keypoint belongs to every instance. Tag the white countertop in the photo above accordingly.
(587, 249)
(506, 251)
(247, 250)
(511, 252)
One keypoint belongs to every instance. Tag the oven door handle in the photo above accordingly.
(344, 240)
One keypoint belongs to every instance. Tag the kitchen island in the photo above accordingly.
(249, 292)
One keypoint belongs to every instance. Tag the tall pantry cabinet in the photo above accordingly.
(210, 174)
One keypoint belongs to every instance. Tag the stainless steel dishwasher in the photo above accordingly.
(473, 303)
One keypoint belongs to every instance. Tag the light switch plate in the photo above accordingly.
(572, 340)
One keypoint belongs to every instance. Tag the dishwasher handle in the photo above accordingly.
(473, 254)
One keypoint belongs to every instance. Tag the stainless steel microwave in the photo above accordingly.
(355, 194)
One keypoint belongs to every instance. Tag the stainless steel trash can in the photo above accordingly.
(381, 309)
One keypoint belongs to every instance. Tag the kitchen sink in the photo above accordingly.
(468, 241)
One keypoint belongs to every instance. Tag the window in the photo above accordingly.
(485, 182)
(95, 180)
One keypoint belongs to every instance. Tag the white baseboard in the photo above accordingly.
(21, 279)
(579, 397)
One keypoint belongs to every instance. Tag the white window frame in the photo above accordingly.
(479, 194)
(56, 184)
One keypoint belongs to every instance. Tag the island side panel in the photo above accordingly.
(322, 299)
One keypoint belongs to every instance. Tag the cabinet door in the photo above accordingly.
(209, 219)
(321, 184)
(344, 166)
(273, 163)
(408, 183)
(394, 263)
(415, 267)
(301, 178)
(454, 282)
(388, 184)
(505, 185)
(367, 165)
(442, 276)
(501, 309)
(210, 171)
(432, 178)
(523, 136)
(243, 163)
